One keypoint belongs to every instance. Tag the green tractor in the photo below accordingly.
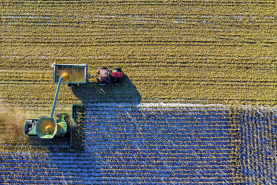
(49, 127)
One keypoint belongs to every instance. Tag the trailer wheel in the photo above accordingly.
(117, 68)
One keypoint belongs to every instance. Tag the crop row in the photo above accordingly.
(257, 130)
(170, 67)
(141, 7)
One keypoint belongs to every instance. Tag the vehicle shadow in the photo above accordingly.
(88, 93)
(91, 92)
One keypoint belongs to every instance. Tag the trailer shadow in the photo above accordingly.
(91, 92)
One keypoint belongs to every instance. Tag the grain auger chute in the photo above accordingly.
(49, 127)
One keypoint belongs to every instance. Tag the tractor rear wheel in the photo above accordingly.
(117, 68)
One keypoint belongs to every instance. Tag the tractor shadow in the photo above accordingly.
(91, 92)
(88, 93)
(54, 145)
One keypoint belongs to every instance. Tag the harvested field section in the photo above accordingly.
(161, 144)
(153, 143)
(133, 143)
(45, 168)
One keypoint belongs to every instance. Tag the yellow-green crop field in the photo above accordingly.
(172, 51)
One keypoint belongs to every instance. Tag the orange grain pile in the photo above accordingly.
(47, 127)
(71, 76)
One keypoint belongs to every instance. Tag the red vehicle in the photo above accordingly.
(106, 76)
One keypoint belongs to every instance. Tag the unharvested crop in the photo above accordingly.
(170, 51)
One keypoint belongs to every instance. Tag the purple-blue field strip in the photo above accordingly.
(146, 144)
